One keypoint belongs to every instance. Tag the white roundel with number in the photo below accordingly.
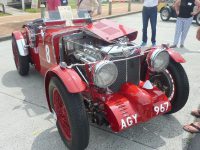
(48, 58)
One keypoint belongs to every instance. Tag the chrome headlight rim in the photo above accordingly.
(154, 55)
(97, 70)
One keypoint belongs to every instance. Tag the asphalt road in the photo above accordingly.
(26, 124)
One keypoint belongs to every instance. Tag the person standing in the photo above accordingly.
(149, 12)
(184, 10)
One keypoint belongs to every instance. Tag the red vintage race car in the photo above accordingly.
(95, 70)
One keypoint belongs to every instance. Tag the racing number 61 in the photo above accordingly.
(162, 108)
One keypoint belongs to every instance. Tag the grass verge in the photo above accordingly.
(2, 14)
(32, 10)
(72, 3)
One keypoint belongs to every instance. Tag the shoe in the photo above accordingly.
(196, 113)
(181, 46)
(173, 46)
(192, 128)
(143, 44)
(153, 44)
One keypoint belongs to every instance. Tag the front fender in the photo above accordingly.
(23, 51)
(69, 78)
(176, 56)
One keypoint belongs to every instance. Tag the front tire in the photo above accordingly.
(165, 14)
(198, 19)
(21, 62)
(174, 82)
(72, 121)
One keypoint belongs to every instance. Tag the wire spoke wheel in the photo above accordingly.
(165, 83)
(62, 115)
(72, 121)
(165, 14)
(174, 83)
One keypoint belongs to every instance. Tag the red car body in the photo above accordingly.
(130, 105)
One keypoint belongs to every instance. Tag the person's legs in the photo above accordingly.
(186, 27)
(179, 26)
(153, 20)
(145, 20)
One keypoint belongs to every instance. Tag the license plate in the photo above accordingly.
(161, 107)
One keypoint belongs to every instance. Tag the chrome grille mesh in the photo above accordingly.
(128, 71)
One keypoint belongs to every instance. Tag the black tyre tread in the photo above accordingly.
(182, 86)
(24, 65)
(23, 62)
(77, 116)
(161, 15)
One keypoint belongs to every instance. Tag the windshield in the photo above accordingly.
(65, 13)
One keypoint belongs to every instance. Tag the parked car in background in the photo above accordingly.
(161, 5)
(167, 11)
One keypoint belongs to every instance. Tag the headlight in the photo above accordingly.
(158, 60)
(105, 74)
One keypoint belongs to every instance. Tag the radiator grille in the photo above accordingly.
(128, 71)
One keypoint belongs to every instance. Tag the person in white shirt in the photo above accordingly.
(149, 12)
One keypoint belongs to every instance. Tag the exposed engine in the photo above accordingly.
(113, 59)
(90, 49)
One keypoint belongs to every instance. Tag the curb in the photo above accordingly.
(8, 37)
(5, 38)
(120, 15)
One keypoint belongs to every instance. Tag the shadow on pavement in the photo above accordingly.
(150, 134)
(32, 89)
(194, 144)
(195, 139)
(48, 140)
